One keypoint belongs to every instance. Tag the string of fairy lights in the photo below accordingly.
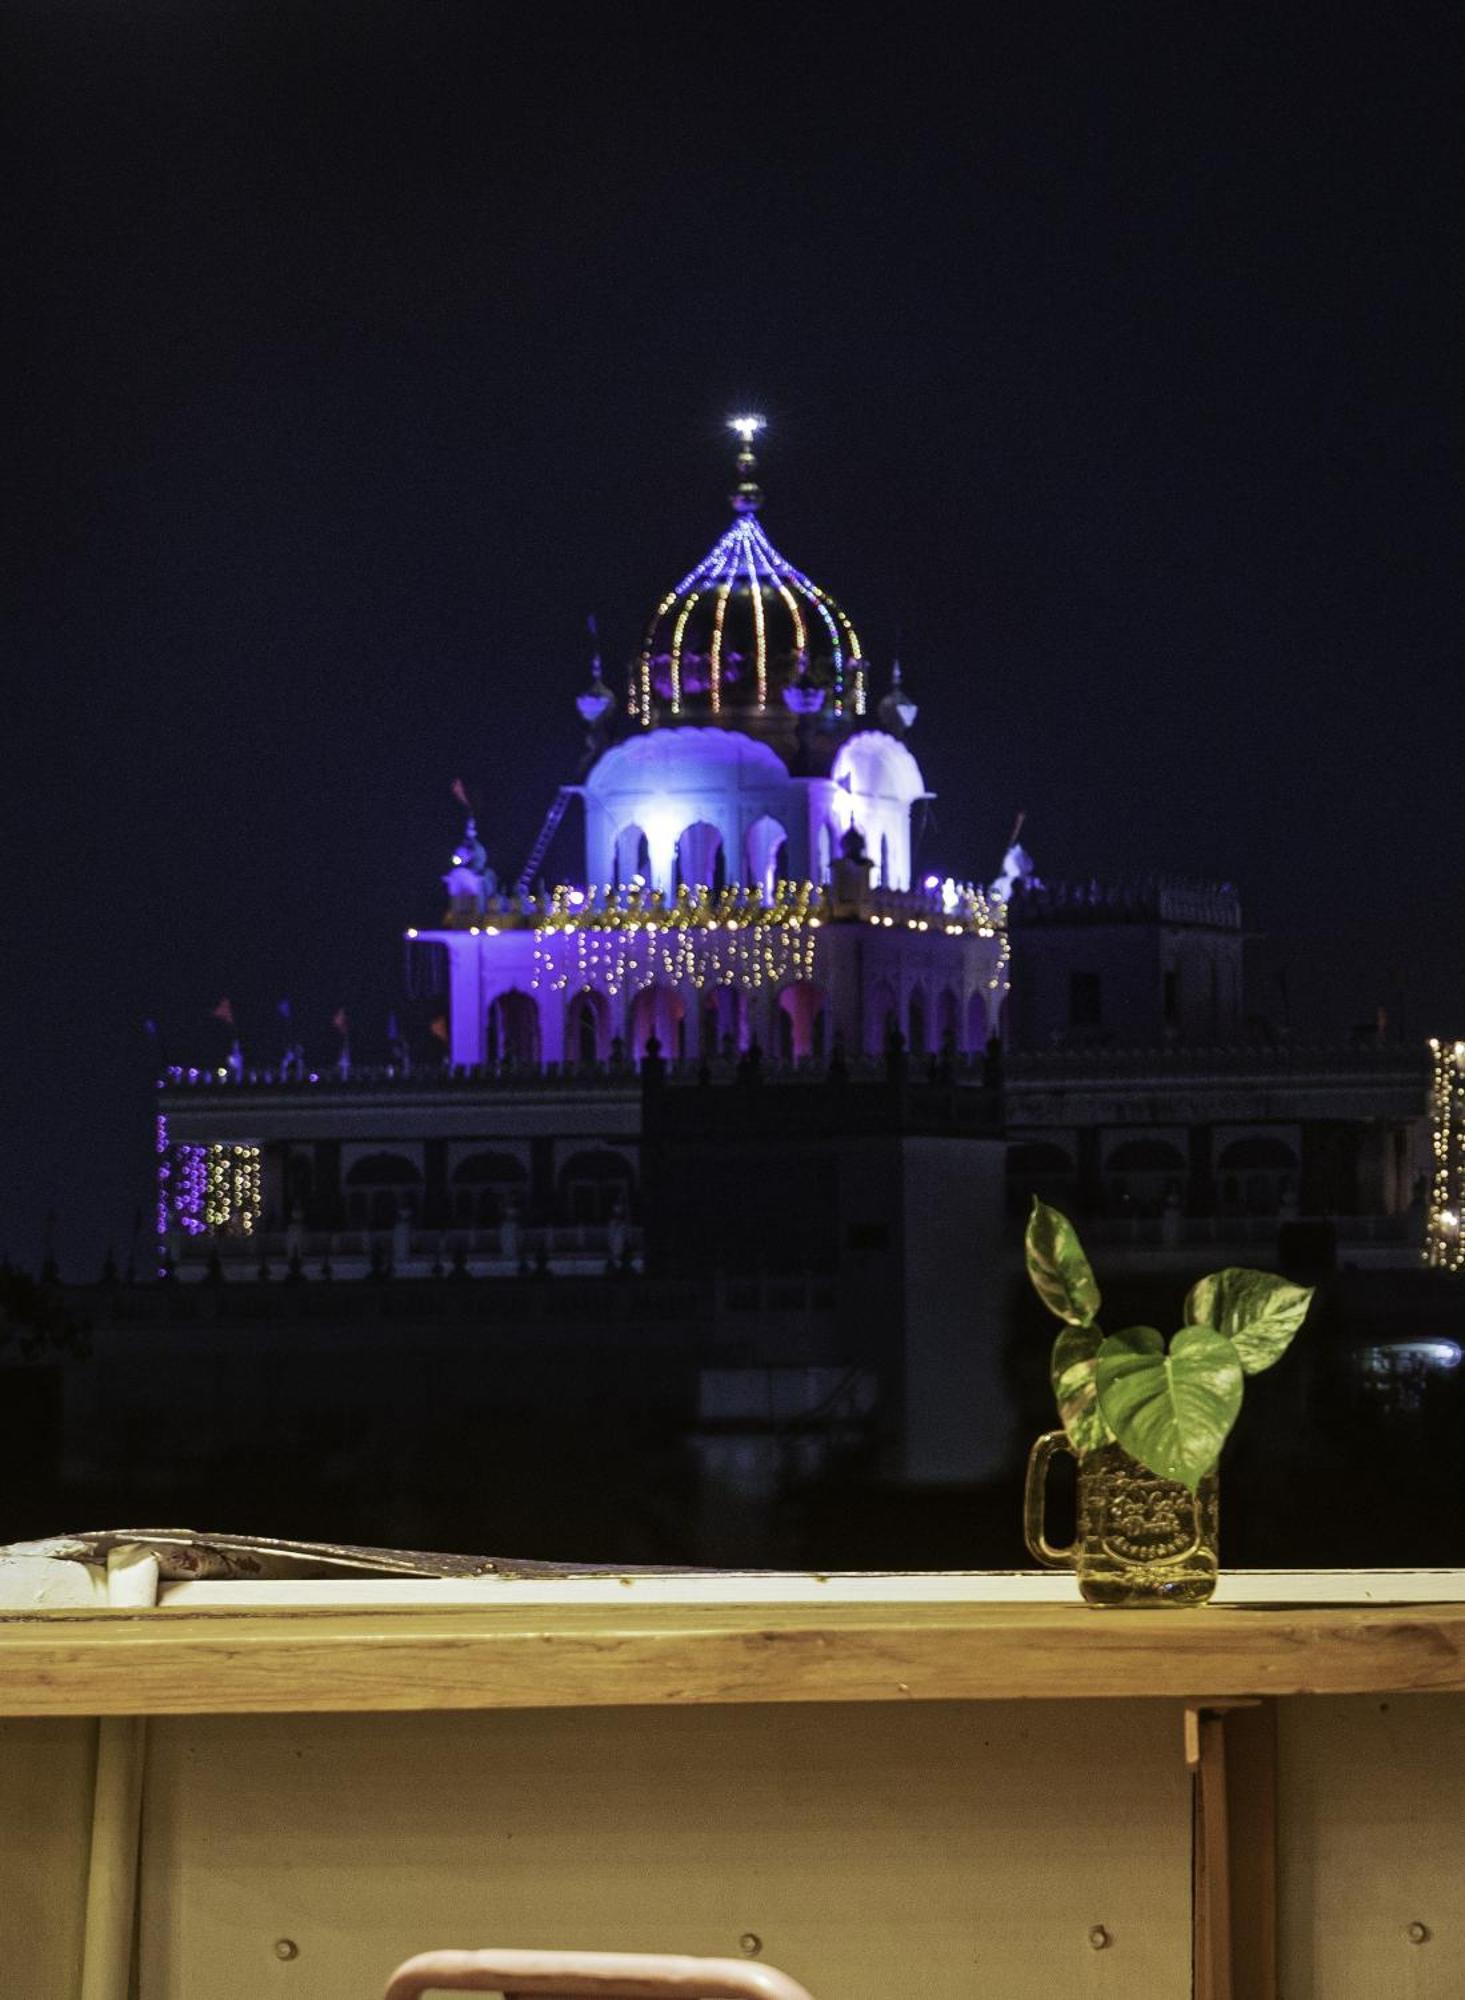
(211, 1189)
(620, 941)
(1444, 1242)
(743, 563)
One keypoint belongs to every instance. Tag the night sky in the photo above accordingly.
(1112, 367)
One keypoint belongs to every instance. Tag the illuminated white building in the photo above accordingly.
(749, 875)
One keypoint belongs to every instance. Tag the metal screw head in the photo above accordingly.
(750, 1944)
(286, 1948)
(1418, 1933)
(1099, 1938)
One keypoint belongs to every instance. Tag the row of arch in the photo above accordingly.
(1252, 1174)
(1257, 1152)
(700, 858)
(718, 1021)
(484, 1187)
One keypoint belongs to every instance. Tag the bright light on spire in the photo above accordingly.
(747, 428)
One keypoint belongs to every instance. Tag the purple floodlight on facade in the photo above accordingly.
(164, 1154)
(190, 1188)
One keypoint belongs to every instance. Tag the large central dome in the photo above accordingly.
(745, 633)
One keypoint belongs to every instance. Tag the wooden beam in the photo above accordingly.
(1251, 1796)
(160, 1662)
(1211, 1857)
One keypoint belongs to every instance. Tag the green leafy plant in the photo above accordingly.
(1170, 1406)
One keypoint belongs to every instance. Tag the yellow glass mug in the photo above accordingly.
(1141, 1540)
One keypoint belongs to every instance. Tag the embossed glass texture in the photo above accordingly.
(1140, 1540)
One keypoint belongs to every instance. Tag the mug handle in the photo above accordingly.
(1035, 1492)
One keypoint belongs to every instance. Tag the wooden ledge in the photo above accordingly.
(184, 1661)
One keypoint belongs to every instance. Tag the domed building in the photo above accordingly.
(822, 1262)
(749, 870)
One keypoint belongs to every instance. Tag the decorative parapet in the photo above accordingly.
(426, 1080)
(1165, 899)
(1171, 1060)
(949, 906)
(178, 1087)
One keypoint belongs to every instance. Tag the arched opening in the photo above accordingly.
(632, 857)
(299, 1183)
(699, 859)
(659, 1011)
(882, 1019)
(783, 1017)
(948, 1022)
(379, 1187)
(587, 1028)
(916, 1021)
(802, 1017)
(823, 854)
(513, 1029)
(709, 1027)
(1038, 1167)
(1258, 1173)
(884, 862)
(1260, 1153)
(593, 1185)
(483, 1186)
(721, 1023)
(767, 854)
(978, 1028)
(1144, 1176)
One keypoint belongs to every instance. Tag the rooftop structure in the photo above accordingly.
(749, 874)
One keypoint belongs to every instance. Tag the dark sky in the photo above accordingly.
(1112, 364)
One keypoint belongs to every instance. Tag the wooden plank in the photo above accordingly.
(1211, 1859)
(1257, 1588)
(1251, 1797)
(189, 1662)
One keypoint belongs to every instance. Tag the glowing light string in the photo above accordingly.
(715, 668)
(661, 610)
(849, 631)
(801, 637)
(834, 642)
(744, 554)
(676, 653)
(1444, 1242)
(762, 640)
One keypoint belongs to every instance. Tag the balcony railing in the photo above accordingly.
(567, 1077)
(571, 1248)
(1197, 1231)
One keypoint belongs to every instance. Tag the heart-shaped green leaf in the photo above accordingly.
(1075, 1357)
(1170, 1411)
(1058, 1267)
(1255, 1309)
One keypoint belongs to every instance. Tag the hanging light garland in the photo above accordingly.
(210, 1188)
(164, 1152)
(622, 940)
(1444, 1243)
(744, 562)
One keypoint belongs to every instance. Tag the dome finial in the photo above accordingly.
(597, 700)
(897, 712)
(748, 497)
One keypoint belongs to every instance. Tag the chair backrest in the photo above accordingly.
(590, 1975)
